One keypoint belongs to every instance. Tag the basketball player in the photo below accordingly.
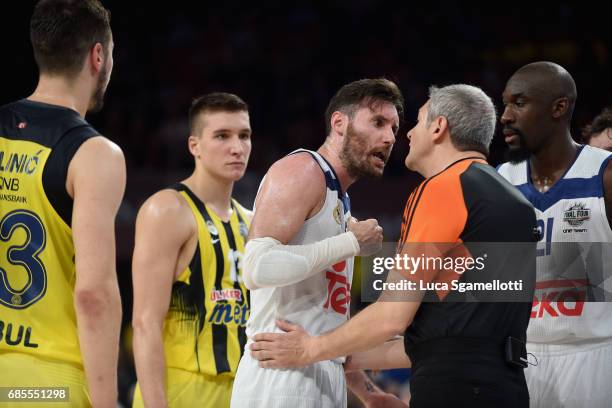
(62, 183)
(455, 348)
(190, 305)
(571, 340)
(299, 258)
(598, 133)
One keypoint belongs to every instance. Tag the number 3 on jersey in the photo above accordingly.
(22, 256)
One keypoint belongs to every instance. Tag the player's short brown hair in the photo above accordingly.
(364, 91)
(63, 31)
(213, 102)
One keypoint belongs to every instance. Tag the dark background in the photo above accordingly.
(286, 59)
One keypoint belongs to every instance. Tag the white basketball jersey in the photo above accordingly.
(570, 215)
(321, 302)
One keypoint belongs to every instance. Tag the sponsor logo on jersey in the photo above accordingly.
(559, 298)
(338, 289)
(226, 294)
(226, 313)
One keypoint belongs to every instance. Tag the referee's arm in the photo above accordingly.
(372, 326)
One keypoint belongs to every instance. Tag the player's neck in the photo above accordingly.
(331, 153)
(57, 90)
(215, 192)
(555, 158)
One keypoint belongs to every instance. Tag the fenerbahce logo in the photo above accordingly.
(211, 228)
(576, 215)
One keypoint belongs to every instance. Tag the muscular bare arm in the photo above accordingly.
(96, 181)
(163, 228)
(292, 192)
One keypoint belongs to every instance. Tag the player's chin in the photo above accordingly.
(375, 171)
(376, 167)
(234, 175)
(517, 154)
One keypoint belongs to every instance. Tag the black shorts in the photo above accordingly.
(464, 380)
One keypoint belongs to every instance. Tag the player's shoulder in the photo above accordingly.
(299, 169)
(296, 163)
(101, 147)
(100, 159)
(295, 181)
(98, 162)
(168, 211)
(166, 203)
(510, 166)
(596, 152)
(514, 172)
(599, 159)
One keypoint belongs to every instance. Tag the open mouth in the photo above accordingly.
(379, 157)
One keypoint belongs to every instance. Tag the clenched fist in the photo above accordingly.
(369, 235)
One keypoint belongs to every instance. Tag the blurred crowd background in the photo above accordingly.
(286, 60)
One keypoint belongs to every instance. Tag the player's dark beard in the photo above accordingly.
(97, 101)
(518, 154)
(353, 155)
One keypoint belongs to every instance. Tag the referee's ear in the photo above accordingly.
(438, 128)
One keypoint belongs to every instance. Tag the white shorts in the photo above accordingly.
(569, 376)
(321, 385)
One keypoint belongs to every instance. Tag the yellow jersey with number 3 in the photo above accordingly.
(37, 272)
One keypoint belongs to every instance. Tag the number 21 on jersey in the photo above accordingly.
(546, 230)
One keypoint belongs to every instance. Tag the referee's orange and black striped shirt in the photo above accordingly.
(467, 202)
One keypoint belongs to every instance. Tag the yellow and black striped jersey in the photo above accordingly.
(37, 272)
(204, 330)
